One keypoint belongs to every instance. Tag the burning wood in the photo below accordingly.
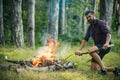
(45, 66)
(47, 54)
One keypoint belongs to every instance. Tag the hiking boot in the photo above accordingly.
(117, 71)
(102, 72)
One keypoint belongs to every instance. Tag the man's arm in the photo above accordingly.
(82, 44)
(86, 38)
(108, 38)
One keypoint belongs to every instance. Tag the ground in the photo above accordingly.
(80, 72)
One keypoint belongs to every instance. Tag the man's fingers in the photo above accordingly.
(105, 46)
(78, 53)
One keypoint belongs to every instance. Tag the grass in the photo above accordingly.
(81, 72)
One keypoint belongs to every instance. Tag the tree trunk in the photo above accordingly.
(67, 19)
(118, 20)
(62, 17)
(80, 26)
(17, 25)
(2, 41)
(95, 6)
(31, 23)
(84, 23)
(115, 7)
(106, 10)
(53, 19)
(84, 19)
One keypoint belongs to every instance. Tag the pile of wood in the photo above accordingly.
(58, 64)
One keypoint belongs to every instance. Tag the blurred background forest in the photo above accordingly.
(30, 22)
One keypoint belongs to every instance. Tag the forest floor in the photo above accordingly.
(80, 72)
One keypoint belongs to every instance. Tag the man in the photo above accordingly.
(101, 36)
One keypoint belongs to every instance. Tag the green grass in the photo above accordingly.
(81, 72)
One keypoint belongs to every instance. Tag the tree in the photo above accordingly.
(84, 18)
(31, 23)
(106, 10)
(17, 25)
(2, 41)
(95, 5)
(118, 34)
(62, 17)
(53, 19)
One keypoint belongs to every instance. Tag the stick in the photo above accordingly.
(68, 56)
(111, 45)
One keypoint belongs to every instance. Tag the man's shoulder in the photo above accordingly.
(100, 21)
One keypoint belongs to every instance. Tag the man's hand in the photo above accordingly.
(105, 46)
(79, 53)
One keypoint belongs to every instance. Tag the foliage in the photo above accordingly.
(42, 19)
(71, 39)
(74, 19)
(116, 42)
(6, 21)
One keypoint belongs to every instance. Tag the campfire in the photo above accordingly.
(47, 54)
(45, 59)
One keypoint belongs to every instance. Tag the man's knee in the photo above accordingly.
(92, 49)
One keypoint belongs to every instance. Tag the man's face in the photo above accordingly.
(90, 17)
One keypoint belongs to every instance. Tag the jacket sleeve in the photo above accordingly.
(87, 36)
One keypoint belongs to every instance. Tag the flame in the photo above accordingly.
(48, 53)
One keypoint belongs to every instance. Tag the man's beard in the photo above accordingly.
(90, 21)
